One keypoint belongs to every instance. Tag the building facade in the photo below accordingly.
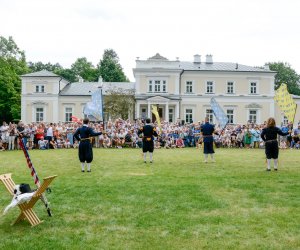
(181, 90)
(47, 97)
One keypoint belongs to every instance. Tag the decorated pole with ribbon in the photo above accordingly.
(34, 174)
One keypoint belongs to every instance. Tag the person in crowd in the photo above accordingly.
(247, 137)
(85, 152)
(4, 134)
(20, 131)
(106, 141)
(42, 143)
(129, 139)
(255, 137)
(207, 131)
(67, 144)
(1, 145)
(49, 134)
(121, 136)
(39, 134)
(269, 136)
(12, 133)
(53, 144)
(148, 132)
(70, 132)
(180, 143)
(240, 139)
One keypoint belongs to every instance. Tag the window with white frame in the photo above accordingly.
(230, 87)
(39, 88)
(210, 115)
(164, 86)
(39, 114)
(230, 116)
(68, 114)
(171, 114)
(252, 116)
(253, 87)
(209, 87)
(189, 115)
(150, 87)
(189, 87)
(157, 86)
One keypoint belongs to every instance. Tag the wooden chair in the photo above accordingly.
(27, 212)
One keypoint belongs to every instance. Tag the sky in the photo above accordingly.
(251, 32)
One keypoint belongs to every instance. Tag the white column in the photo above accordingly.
(177, 115)
(137, 110)
(149, 111)
(167, 112)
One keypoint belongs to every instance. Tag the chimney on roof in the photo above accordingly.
(100, 79)
(197, 58)
(209, 59)
(80, 79)
(266, 66)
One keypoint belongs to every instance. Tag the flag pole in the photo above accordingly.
(34, 174)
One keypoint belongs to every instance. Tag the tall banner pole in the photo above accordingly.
(34, 174)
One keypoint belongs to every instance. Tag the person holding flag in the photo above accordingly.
(85, 150)
(269, 136)
(207, 131)
(148, 132)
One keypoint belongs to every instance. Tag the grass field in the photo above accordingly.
(178, 202)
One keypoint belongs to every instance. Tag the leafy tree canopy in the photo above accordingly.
(86, 70)
(118, 102)
(12, 65)
(110, 68)
(285, 74)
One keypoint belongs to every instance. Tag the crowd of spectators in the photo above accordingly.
(123, 133)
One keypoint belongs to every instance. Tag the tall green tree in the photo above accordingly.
(12, 65)
(285, 74)
(86, 70)
(110, 68)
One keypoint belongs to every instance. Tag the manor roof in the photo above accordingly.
(41, 73)
(88, 88)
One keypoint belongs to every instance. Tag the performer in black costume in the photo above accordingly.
(207, 131)
(85, 151)
(269, 136)
(148, 144)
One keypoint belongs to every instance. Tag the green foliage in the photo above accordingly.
(119, 102)
(110, 68)
(86, 70)
(38, 66)
(12, 65)
(285, 74)
(178, 202)
(67, 74)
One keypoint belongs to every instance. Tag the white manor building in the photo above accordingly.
(182, 90)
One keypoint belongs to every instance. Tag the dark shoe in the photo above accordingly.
(82, 171)
(89, 171)
(145, 162)
(275, 169)
(150, 161)
(268, 169)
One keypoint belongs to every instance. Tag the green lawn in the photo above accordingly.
(178, 202)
